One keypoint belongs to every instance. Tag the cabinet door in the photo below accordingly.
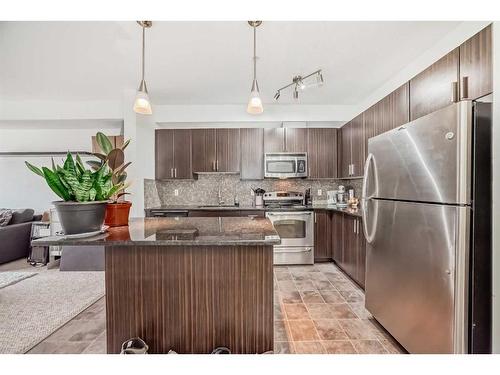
(345, 150)
(252, 154)
(476, 66)
(322, 153)
(295, 139)
(433, 88)
(357, 146)
(182, 153)
(399, 107)
(322, 238)
(203, 150)
(274, 140)
(164, 154)
(350, 256)
(336, 231)
(252, 213)
(228, 150)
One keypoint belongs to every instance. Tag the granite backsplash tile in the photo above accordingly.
(204, 190)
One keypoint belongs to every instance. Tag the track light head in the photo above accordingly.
(277, 95)
(296, 92)
(319, 78)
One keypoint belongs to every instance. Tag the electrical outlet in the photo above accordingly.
(320, 192)
(176, 192)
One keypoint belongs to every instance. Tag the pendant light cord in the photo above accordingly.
(254, 52)
(143, 49)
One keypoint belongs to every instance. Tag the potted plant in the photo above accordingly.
(84, 193)
(117, 211)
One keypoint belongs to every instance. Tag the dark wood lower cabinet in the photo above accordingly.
(336, 225)
(190, 299)
(322, 236)
(214, 213)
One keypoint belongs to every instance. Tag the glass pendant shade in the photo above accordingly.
(255, 103)
(142, 105)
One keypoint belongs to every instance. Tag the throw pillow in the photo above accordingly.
(5, 216)
(22, 216)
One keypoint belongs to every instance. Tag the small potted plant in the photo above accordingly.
(118, 210)
(84, 193)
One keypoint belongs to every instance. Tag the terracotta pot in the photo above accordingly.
(117, 214)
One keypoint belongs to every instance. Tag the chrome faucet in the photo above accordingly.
(219, 196)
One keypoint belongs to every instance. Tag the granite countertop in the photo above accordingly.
(315, 206)
(189, 231)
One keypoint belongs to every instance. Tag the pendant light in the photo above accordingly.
(142, 104)
(255, 103)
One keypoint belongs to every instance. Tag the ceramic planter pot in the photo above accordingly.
(81, 217)
(117, 214)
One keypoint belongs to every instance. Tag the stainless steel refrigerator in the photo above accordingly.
(426, 217)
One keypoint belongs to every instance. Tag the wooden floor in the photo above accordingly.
(316, 310)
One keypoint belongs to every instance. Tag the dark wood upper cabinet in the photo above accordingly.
(357, 146)
(173, 154)
(344, 150)
(295, 139)
(399, 106)
(274, 140)
(476, 66)
(435, 87)
(252, 154)
(322, 235)
(322, 152)
(204, 150)
(228, 150)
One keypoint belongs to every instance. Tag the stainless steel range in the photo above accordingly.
(294, 224)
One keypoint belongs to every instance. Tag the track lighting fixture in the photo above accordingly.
(142, 104)
(301, 83)
(255, 103)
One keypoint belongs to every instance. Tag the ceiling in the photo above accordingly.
(206, 62)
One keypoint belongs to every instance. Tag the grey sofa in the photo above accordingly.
(15, 237)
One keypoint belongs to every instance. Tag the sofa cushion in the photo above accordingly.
(5, 217)
(22, 216)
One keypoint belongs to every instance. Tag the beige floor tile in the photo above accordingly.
(296, 311)
(339, 347)
(300, 275)
(309, 347)
(303, 330)
(290, 297)
(369, 347)
(330, 329)
(281, 330)
(319, 311)
(358, 329)
(98, 346)
(282, 276)
(392, 346)
(359, 310)
(332, 296)
(283, 347)
(353, 296)
(323, 285)
(341, 311)
(311, 297)
(278, 314)
(287, 286)
(344, 285)
(305, 285)
(59, 347)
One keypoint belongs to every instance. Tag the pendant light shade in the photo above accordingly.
(142, 104)
(255, 102)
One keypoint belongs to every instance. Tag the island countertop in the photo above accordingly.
(202, 231)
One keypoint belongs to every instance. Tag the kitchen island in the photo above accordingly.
(188, 284)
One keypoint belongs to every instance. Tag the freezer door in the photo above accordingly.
(427, 160)
(416, 284)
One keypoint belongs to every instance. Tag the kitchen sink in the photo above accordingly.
(218, 206)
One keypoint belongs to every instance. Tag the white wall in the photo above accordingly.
(19, 187)
(496, 188)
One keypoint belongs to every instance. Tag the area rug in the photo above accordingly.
(10, 277)
(34, 308)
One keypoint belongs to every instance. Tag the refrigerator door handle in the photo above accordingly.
(370, 160)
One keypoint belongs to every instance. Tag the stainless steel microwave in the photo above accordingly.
(285, 165)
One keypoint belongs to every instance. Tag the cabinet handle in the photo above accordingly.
(352, 170)
(315, 220)
(465, 87)
(454, 92)
(172, 172)
(213, 166)
(217, 165)
(175, 172)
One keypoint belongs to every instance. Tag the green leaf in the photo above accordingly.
(55, 184)
(69, 164)
(34, 169)
(54, 167)
(104, 143)
(124, 146)
(80, 168)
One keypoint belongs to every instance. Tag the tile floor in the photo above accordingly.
(317, 310)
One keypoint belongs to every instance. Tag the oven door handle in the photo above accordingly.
(288, 213)
(306, 250)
